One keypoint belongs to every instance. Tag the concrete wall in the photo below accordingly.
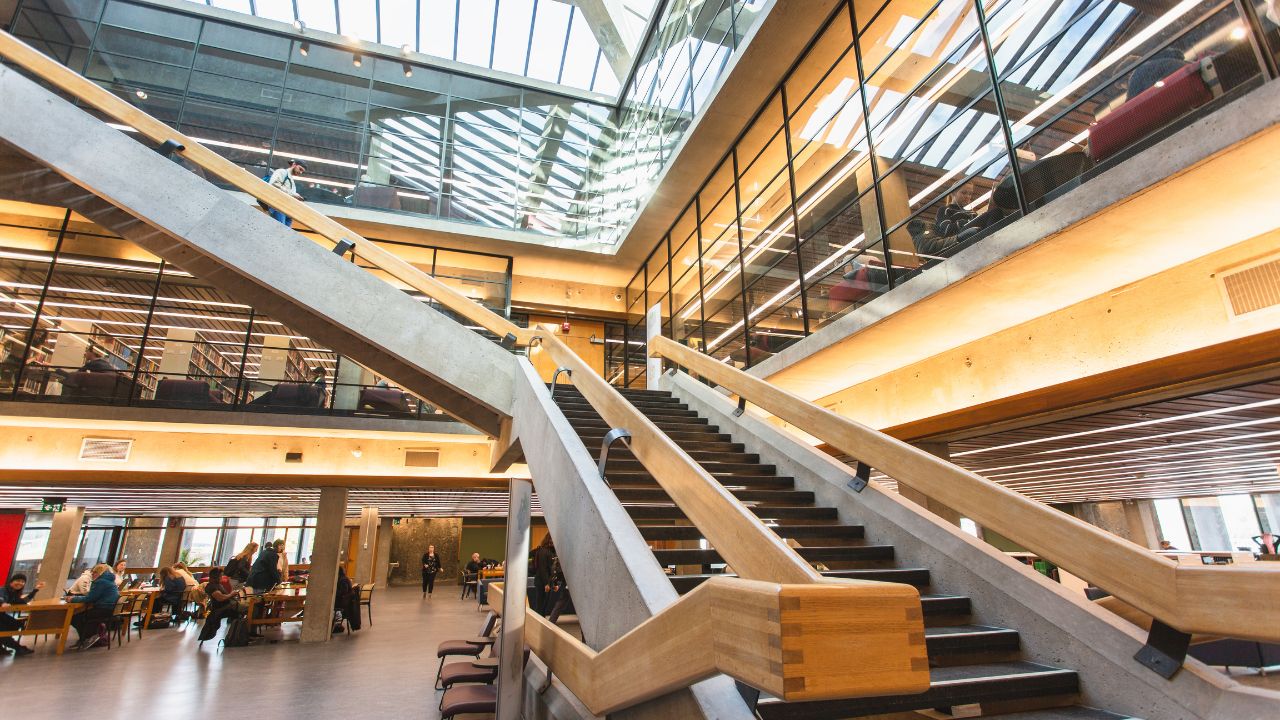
(1057, 627)
(409, 540)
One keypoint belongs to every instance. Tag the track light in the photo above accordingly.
(408, 69)
(141, 95)
(357, 60)
(304, 49)
(405, 49)
(299, 26)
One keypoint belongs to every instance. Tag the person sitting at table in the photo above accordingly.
(237, 569)
(12, 594)
(222, 604)
(172, 589)
(99, 605)
(346, 603)
(187, 578)
(265, 573)
(82, 583)
(119, 570)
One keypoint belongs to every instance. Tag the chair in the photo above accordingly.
(180, 393)
(376, 196)
(293, 395)
(469, 699)
(135, 610)
(1187, 88)
(472, 647)
(379, 399)
(97, 386)
(366, 599)
(119, 623)
(470, 583)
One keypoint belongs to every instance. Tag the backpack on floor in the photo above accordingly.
(237, 633)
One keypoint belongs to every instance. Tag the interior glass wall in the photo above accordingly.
(86, 317)
(1222, 523)
(374, 130)
(909, 131)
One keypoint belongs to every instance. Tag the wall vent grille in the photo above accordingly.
(422, 458)
(1253, 288)
(110, 449)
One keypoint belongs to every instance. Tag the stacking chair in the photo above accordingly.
(366, 599)
(465, 699)
(118, 624)
(470, 584)
(128, 609)
(471, 647)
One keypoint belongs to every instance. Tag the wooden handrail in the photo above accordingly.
(795, 642)
(1230, 601)
(742, 540)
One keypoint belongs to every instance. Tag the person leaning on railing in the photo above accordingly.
(11, 594)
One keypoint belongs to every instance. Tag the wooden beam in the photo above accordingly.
(134, 478)
(1224, 358)
(795, 642)
(1215, 600)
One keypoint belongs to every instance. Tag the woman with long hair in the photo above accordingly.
(237, 570)
(430, 568)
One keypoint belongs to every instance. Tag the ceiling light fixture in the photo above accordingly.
(304, 49)
(408, 70)
(141, 95)
(299, 26)
(405, 49)
(357, 60)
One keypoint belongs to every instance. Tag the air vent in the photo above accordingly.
(110, 449)
(1253, 287)
(422, 458)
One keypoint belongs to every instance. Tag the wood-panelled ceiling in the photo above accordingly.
(1216, 443)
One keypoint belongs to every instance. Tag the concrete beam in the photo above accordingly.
(617, 30)
(59, 552)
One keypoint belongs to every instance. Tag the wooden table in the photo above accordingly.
(290, 603)
(44, 617)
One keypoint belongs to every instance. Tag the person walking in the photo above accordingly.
(265, 573)
(283, 179)
(430, 568)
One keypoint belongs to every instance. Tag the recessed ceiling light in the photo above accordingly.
(141, 95)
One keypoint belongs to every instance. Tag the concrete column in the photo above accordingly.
(172, 545)
(64, 537)
(366, 544)
(1144, 529)
(382, 561)
(652, 329)
(940, 450)
(317, 619)
(514, 600)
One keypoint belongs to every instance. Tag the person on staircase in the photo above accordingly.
(283, 179)
(430, 568)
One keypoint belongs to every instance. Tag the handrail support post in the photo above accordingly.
(861, 477)
(742, 407)
(556, 377)
(169, 147)
(1165, 651)
(610, 438)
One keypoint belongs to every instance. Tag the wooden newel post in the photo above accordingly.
(514, 590)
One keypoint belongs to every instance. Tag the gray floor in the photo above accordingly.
(384, 670)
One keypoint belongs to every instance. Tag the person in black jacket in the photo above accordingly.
(12, 594)
(430, 568)
(222, 604)
(265, 573)
(543, 558)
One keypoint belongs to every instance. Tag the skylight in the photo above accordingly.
(584, 44)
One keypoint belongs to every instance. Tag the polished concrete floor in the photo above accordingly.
(384, 670)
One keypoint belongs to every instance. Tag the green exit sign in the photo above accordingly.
(53, 505)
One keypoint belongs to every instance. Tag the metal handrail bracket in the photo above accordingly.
(610, 438)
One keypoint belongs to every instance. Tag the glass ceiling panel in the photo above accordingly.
(551, 40)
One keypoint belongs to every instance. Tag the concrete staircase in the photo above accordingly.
(975, 668)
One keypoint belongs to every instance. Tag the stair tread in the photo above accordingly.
(883, 574)
(693, 556)
(952, 685)
(689, 532)
(1075, 712)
